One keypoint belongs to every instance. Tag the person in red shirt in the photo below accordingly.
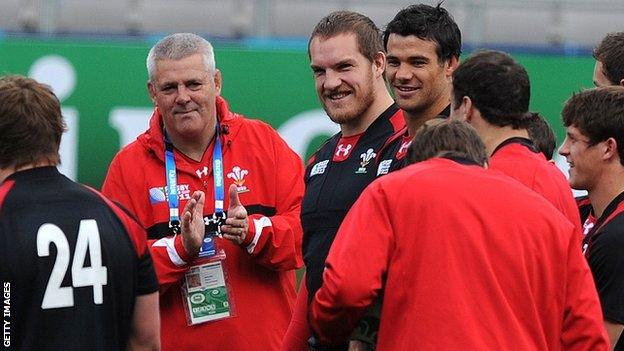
(253, 185)
(491, 91)
(594, 148)
(467, 259)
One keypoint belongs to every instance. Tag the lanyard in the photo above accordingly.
(172, 181)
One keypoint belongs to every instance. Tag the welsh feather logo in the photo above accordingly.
(366, 158)
(238, 175)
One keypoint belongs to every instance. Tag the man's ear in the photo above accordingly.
(217, 81)
(151, 89)
(622, 82)
(379, 64)
(610, 150)
(450, 66)
(469, 109)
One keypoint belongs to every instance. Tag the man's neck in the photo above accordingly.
(492, 136)
(193, 147)
(382, 101)
(6, 172)
(610, 185)
(415, 119)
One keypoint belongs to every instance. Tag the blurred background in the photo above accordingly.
(93, 55)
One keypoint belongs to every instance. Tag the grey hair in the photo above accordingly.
(178, 46)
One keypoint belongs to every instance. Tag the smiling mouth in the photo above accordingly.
(405, 89)
(337, 95)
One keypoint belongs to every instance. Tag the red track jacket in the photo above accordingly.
(269, 176)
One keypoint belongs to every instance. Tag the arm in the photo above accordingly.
(607, 266)
(274, 242)
(169, 255)
(582, 324)
(172, 255)
(298, 332)
(614, 330)
(145, 330)
(355, 268)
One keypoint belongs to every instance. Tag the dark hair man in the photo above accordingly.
(423, 44)
(609, 55)
(491, 91)
(108, 300)
(457, 274)
(348, 62)
(245, 261)
(449, 139)
(594, 148)
(542, 135)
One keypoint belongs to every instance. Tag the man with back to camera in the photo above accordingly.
(609, 55)
(594, 148)
(423, 44)
(195, 142)
(491, 91)
(496, 268)
(108, 299)
(347, 62)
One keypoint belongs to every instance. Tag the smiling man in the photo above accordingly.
(245, 262)
(423, 45)
(594, 148)
(347, 61)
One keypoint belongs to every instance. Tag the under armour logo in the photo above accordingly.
(202, 172)
(343, 149)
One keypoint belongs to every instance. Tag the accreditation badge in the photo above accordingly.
(206, 293)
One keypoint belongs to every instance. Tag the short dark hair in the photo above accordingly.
(599, 115)
(31, 123)
(427, 23)
(367, 34)
(542, 134)
(610, 52)
(498, 86)
(450, 138)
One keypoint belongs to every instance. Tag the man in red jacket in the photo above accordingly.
(491, 91)
(235, 287)
(496, 267)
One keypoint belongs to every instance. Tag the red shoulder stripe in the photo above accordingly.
(398, 121)
(4, 190)
(137, 233)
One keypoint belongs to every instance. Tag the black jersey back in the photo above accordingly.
(332, 188)
(70, 269)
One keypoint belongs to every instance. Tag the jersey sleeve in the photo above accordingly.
(147, 282)
(606, 260)
(298, 332)
(275, 241)
(583, 327)
(354, 269)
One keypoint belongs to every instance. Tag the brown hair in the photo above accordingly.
(31, 123)
(610, 52)
(447, 139)
(598, 114)
(367, 34)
